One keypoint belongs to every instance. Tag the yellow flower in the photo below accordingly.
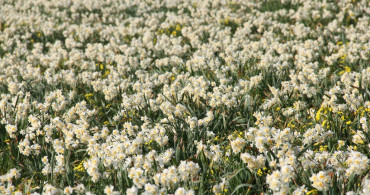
(362, 110)
(106, 73)
(323, 123)
(318, 114)
(149, 144)
(178, 27)
(290, 125)
(312, 192)
(79, 167)
(88, 97)
(259, 172)
(346, 69)
(323, 148)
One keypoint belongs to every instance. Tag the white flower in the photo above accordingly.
(320, 181)
(300, 190)
(132, 191)
(11, 130)
(109, 190)
(237, 145)
(68, 190)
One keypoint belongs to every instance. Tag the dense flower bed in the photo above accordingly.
(184, 97)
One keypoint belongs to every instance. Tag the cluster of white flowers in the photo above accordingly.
(357, 163)
(279, 180)
(184, 97)
(6, 181)
(320, 181)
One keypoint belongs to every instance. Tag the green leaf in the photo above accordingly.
(241, 186)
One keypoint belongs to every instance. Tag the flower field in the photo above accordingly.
(185, 97)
